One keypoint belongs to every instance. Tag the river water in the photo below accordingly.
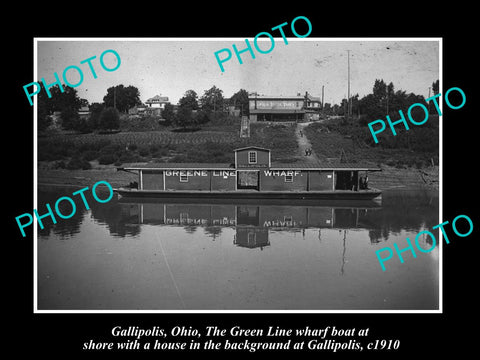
(159, 255)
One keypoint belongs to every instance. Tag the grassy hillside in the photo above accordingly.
(417, 147)
(210, 144)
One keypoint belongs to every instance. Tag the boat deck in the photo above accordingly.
(253, 194)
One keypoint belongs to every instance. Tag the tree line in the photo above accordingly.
(383, 101)
(191, 110)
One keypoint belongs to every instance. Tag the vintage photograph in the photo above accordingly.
(260, 185)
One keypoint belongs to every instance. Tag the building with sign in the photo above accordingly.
(284, 108)
(253, 175)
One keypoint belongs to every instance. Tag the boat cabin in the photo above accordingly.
(253, 171)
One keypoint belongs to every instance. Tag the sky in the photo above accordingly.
(171, 66)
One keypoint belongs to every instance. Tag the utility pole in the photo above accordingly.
(348, 100)
(322, 96)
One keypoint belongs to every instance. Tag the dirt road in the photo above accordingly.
(304, 144)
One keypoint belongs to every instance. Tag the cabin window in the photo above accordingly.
(252, 157)
(288, 178)
(183, 178)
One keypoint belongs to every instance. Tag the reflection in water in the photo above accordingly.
(321, 255)
(252, 223)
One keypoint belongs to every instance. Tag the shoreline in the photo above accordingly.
(388, 179)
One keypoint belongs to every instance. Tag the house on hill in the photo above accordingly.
(84, 112)
(157, 102)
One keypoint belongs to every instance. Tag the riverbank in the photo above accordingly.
(389, 178)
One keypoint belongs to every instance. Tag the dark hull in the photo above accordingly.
(242, 194)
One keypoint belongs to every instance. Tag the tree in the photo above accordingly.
(184, 117)
(189, 100)
(109, 119)
(59, 100)
(240, 101)
(370, 107)
(212, 100)
(390, 93)
(69, 118)
(168, 114)
(66, 102)
(435, 87)
(122, 98)
(43, 116)
(95, 112)
(379, 90)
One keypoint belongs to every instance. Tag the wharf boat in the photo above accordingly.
(252, 176)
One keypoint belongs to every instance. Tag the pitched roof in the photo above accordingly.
(274, 166)
(251, 147)
(335, 165)
(277, 111)
(179, 166)
(157, 99)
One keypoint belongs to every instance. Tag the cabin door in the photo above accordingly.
(248, 180)
(346, 180)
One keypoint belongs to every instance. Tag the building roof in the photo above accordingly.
(330, 165)
(295, 97)
(157, 99)
(274, 166)
(277, 111)
(251, 147)
(180, 166)
(313, 98)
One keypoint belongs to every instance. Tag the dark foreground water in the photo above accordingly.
(129, 255)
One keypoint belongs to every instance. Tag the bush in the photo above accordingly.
(160, 152)
(60, 164)
(144, 151)
(78, 163)
(50, 150)
(107, 159)
(109, 119)
(128, 157)
(111, 149)
(96, 145)
(90, 155)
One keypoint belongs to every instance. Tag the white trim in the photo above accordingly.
(271, 168)
(164, 186)
(140, 186)
(252, 152)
